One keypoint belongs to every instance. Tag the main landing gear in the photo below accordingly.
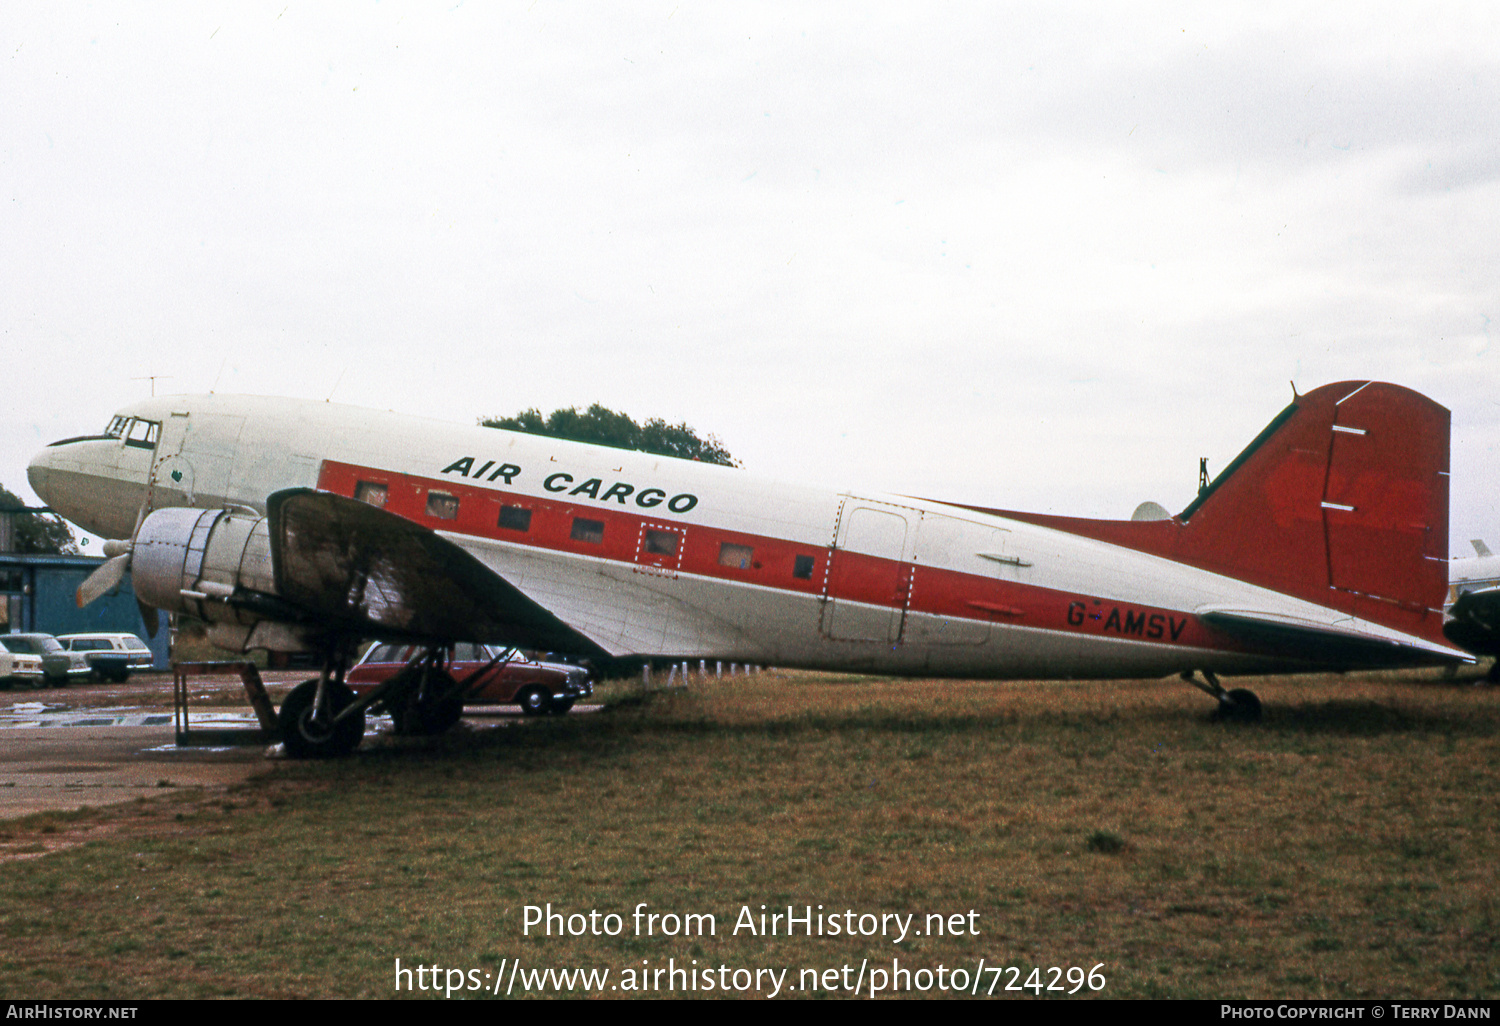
(424, 699)
(1237, 706)
(321, 718)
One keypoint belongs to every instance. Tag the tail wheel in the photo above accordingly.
(534, 701)
(1240, 706)
(307, 736)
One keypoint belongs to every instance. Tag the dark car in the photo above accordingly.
(536, 687)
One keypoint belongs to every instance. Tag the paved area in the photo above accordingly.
(98, 744)
(67, 767)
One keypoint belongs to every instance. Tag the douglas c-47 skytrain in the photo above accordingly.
(299, 525)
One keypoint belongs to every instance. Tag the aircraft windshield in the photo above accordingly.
(142, 433)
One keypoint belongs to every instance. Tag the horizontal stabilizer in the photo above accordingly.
(1324, 645)
(368, 571)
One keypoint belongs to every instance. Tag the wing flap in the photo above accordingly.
(361, 569)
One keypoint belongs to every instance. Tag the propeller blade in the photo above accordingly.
(150, 618)
(103, 579)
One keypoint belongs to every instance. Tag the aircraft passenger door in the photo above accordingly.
(869, 573)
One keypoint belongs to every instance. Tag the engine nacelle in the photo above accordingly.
(215, 564)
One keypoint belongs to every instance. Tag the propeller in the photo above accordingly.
(112, 571)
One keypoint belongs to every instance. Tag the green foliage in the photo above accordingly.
(601, 426)
(36, 533)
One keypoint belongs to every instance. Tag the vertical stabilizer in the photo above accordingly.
(1342, 500)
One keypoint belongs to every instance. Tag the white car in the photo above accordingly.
(19, 667)
(109, 656)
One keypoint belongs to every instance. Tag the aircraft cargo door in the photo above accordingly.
(868, 575)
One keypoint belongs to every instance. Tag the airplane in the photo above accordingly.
(1474, 605)
(295, 525)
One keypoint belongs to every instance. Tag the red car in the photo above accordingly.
(535, 686)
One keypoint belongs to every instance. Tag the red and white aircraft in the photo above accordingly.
(289, 524)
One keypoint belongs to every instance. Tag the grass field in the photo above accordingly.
(1346, 846)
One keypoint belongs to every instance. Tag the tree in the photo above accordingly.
(34, 533)
(601, 426)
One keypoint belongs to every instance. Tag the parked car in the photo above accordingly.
(56, 664)
(536, 687)
(109, 656)
(19, 666)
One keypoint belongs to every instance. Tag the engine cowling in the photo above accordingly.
(215, 564)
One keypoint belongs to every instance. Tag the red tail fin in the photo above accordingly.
(1342, 500)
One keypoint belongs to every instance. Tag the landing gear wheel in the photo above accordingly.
(437, 716)
(424, 708)
(309, 737)
(534, 701)
(560, 706)
(1240, 706)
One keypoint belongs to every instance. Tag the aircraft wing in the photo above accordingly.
(1327, 644)
(1475, 621)
(357, 567)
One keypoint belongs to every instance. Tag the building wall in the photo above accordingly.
(45, 601)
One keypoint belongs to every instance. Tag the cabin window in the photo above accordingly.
(442, 505)
(142, 434)
(591, 531)
(735, 555)
(372, 492)
(802, 567)
(515, 518)
(661, 543)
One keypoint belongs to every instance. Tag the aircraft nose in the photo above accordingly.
(41, 473)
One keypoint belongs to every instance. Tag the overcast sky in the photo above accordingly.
(1034, 256)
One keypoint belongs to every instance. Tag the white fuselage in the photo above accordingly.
(651, 555)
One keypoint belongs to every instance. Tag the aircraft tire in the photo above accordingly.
(439, 716)
(305, 739)
(1240, 706)
(415, 714)
(560, 706)
(534, 701)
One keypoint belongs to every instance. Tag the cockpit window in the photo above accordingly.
(142, 433)
(116, 427)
